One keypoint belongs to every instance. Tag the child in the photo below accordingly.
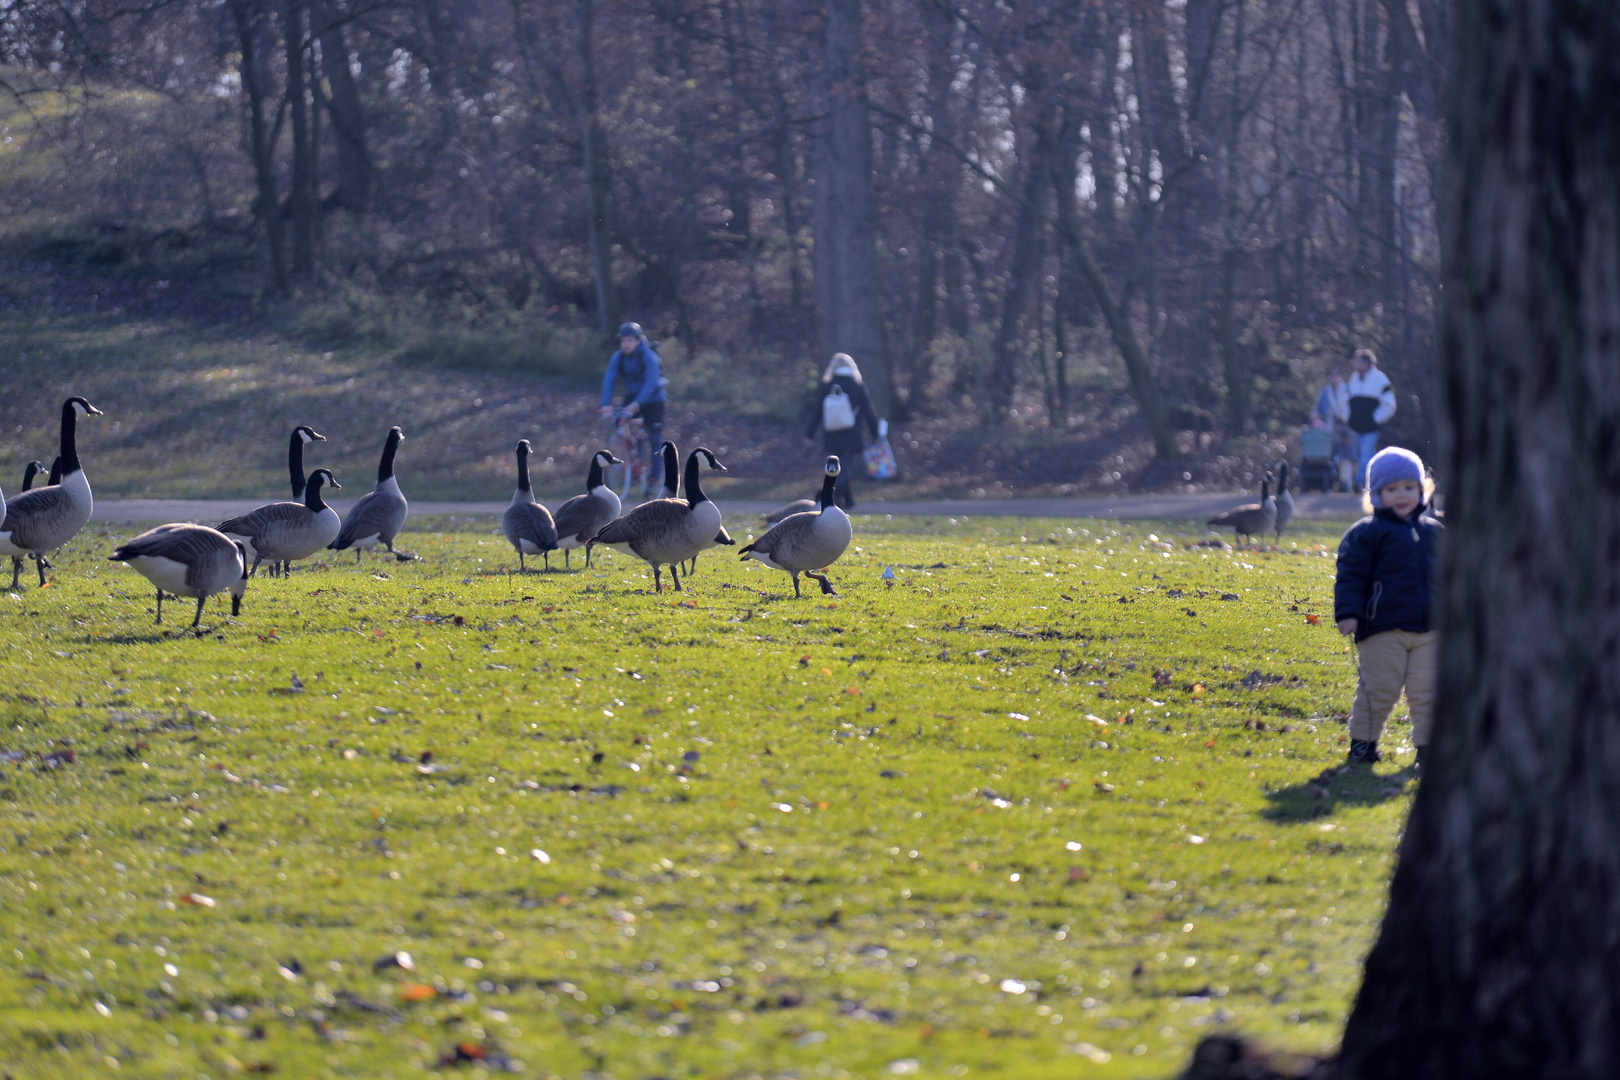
(1384, 596)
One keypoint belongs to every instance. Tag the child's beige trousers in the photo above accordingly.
(1390, 661)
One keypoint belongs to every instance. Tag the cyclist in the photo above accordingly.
(638, 365)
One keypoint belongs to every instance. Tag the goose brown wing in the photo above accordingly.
(190, 544)
(35, 517)
(261, 520)
(1231, 517)
(531, 522)
(373, 514)
(581, 517)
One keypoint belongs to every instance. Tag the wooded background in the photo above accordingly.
(996, 207)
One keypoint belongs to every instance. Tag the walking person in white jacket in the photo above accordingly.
(1372, 403)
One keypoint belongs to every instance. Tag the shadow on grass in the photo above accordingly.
(1333, 789)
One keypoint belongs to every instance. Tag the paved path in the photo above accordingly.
(1172, 507)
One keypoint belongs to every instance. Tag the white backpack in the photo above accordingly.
(837, 414)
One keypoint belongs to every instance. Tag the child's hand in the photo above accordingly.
(1347, 627)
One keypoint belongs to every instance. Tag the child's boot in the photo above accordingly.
(1364, 751)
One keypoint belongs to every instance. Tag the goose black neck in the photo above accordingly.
(827, 486)
(29, 474)
(672, 468)
(70, 445)
(385, 467)
(593, 478)
(523, 468)
(56, 471)
(295, 464)
(694, 490)
(312, 493)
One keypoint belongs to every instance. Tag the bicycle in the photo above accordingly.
(631, 443)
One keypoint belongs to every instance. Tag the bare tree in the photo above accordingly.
(1497, 956)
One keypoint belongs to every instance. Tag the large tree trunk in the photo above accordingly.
(1500, 954)
(596, 172)
(1021, 306)
(261, 142)
(300, 195)
(846, 213)
(342, 101)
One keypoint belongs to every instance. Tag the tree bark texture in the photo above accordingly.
(594, 141)
(342, 101)
(1022, 302)
(262, 144)
(1500, 952)
(301, 204)
(846, 214)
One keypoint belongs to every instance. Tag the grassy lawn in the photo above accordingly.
(1040, 808)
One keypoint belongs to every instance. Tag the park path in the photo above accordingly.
(1123, 507)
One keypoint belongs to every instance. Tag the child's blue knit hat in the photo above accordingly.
(1389, 465)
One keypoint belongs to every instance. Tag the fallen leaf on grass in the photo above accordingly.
(197, 899)
(1313, 620)
(414, 992)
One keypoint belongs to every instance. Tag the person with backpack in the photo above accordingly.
(642, 371)
(844, 414)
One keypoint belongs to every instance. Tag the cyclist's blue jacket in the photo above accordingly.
(642, 373)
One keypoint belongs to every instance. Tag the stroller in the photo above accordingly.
(1316, 451)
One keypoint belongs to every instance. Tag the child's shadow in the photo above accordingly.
(1334, 788)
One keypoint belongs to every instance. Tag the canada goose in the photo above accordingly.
(666, 532)
(301, 434)
(284, 531)
(1285, 502)
(31, 470)
(1253, 519)
(380, 513)
(45, 518)
(809, 541)
(189, 560)
(797, 506)
(583, 516)
(672, 475)
(527, 524)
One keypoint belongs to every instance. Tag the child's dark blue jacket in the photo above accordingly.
(1386, 573)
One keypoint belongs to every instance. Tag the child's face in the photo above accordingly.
(1403, 496)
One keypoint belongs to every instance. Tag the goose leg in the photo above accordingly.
(566, 564)
(41, 564)
(357, 556)
(826, 586)
(201, 600)
(160, 607)
(658, 581)
(797, 595)
(16, 571)
(676, 577)
(548, 561)
(521, 568)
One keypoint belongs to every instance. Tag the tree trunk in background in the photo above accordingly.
(353, 180)
(300, 206)
(846, 218)
(596, 172)
(261, 140)
(1377, 119)
(1498, 956)
(1021, 304)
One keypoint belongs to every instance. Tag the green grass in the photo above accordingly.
(786, 837)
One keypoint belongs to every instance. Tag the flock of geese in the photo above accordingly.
(1270, 515)
(198, 562)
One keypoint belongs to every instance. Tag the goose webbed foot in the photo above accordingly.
(826, 586)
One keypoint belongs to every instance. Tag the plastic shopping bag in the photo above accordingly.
(880, 463)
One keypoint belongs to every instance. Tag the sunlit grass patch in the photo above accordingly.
(1043, 801)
